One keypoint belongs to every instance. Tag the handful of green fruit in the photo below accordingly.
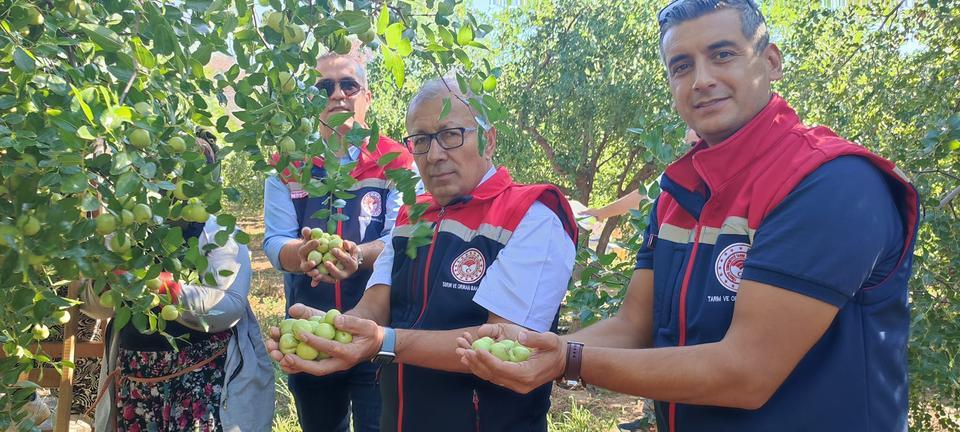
(324, 252)
(506, 350)
(317, 325)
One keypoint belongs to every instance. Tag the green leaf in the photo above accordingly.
(226, 220)
(84, 132)
(446, 36)
(404, 48)
(128, 183)
(338, 119)
(465, 34)
(394, 34)
(373, 137)
(445, 109)
(387, 158)
(221, 237)
(102, 36)
(74, 183)
(122, 318)
(7, 102)
(383, 20)
(24, 60)
(241, 237)
(83, 105)
(241, 6)
(394, 63)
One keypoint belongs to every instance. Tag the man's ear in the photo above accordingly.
(491, 138)
(774, 59)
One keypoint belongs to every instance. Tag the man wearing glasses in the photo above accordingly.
(324, 403)
(771, 290)
(498, 252)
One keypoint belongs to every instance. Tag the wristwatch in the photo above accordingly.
(571, 373)
(387, 348)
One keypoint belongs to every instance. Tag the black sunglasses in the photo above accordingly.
(349, 86)
(448, 139)
(662, 15)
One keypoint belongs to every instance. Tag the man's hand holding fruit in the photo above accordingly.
(327, 257)
(321, 343)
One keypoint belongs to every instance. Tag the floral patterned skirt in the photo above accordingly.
(186, 402)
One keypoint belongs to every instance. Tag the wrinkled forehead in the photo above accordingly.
(424, 112)
(338, 67)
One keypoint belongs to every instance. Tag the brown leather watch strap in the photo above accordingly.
(574, 359)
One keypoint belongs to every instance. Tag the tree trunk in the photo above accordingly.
(608, 228)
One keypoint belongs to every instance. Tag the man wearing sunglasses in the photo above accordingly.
(497, 252)
(770, 293)
(325, 403)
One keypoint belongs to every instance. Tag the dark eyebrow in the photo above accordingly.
(677, 59)
(722, 44)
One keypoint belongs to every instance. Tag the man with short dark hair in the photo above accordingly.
(771, 289)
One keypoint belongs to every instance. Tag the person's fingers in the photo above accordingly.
(357, 326)
(306, 265)
(305, 233)
(531, 339)
(300, 310)
(274, 333)
(322, 278)
(335, 272)
(332, 348)
(315, 367)
(349, 247)
(492, 331)
(476, 365)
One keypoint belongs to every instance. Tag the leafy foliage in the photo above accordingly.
(99, 104)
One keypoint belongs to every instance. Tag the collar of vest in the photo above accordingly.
(712, 166)
(495, 185)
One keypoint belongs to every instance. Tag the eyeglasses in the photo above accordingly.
(662, 15)
(349, 86)
(448, 139)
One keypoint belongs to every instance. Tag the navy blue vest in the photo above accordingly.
(435, 291)
(367, 216)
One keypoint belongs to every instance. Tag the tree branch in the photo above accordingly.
(547, 148)
(136, 65)
(949, 197)
(862, 44)
(546, 61)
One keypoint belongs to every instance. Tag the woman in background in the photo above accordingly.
(220, 378)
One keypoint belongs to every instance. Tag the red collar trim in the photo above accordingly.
(714, 165)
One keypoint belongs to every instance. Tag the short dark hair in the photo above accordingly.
(751, 19)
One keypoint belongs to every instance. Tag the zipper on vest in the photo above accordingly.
(682, 312)
(426, 270)
(336, 283)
